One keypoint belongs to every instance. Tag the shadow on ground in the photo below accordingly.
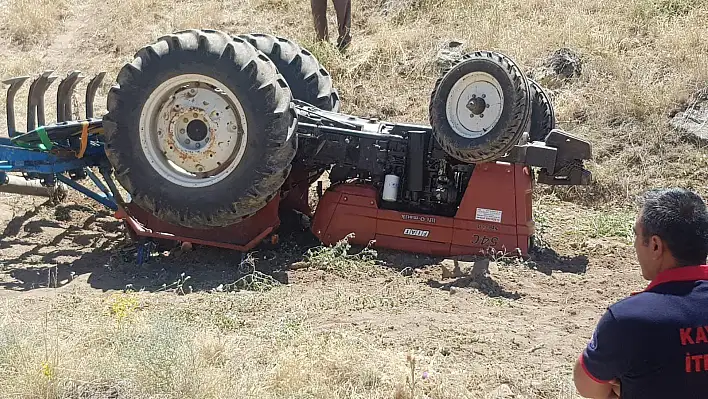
(111, 264)
(546, 260)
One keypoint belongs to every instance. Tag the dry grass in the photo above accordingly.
(30, 23)
(330, 333)
(135, 345)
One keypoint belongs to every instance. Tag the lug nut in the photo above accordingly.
(182, 131)
(187, 141)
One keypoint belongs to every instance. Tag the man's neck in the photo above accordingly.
(668, 262)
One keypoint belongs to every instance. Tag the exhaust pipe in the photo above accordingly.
(19, 185)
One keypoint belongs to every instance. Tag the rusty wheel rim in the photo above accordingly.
(193, 130)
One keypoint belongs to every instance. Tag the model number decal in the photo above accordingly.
(426, 219)
(488, 215)
(487, 227)
(484, 240)
(416, 233)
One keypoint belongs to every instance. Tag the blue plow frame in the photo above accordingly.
(48, 167)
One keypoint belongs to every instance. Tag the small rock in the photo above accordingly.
(480, 268)
(449, 55)
(502, 392)
(454, 290)
(565, 63)
(693, 121)
(446, 273)
(560, 66)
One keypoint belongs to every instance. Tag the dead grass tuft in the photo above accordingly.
(338, 260)
(33, 22)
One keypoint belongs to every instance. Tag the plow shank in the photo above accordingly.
(15, 84)
(35, 100)
(64, 93)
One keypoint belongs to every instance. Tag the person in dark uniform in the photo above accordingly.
(654, 343)
(343, 9)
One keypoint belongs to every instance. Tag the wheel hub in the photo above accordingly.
(477, 105)
(474, 104)
(193, 130)
(197, 130)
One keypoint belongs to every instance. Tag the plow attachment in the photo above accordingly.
(65, 150)
(36, 117)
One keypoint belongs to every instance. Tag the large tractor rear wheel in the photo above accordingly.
(200, 129)
(480, 107)
(308, 80)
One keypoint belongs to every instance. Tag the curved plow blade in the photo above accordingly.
(91, 93)
(15, 84)
(64, 94)
(36, 115)
(35, 100)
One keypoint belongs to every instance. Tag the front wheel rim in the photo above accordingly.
(474, 105)
(193, 130)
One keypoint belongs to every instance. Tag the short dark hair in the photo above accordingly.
(680, 218)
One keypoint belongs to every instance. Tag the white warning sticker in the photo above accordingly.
(489, 215)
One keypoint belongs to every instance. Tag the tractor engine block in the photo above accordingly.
(410, 171)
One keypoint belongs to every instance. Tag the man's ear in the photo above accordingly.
(657, 247)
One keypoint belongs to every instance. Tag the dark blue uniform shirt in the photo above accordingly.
(655, 342)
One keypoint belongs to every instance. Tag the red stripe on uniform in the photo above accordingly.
(684, 273)
(592, 377)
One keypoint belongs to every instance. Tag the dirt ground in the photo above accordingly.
(512, 331)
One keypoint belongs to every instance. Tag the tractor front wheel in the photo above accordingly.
(480, 107)
(200, 129)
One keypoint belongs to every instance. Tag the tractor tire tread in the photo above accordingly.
(543, 118)
(309, 81)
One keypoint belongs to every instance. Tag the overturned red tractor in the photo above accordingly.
(211, 135)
